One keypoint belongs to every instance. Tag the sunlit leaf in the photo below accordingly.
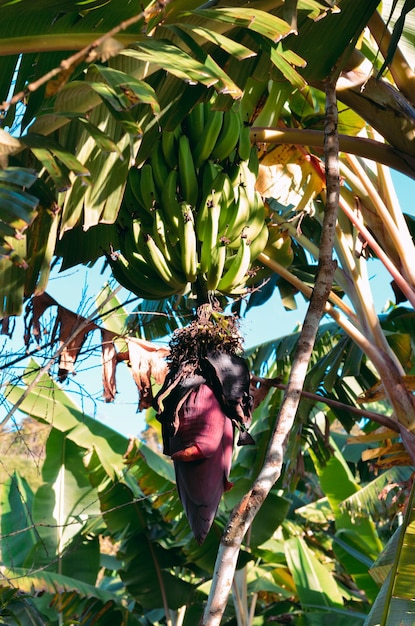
(261, 22)
(234, 48)
(124, 91)
(18, 537)
(183, 66)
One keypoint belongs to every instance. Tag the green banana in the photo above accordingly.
(228, 136)
(148, 188)
(160, 167)
(203, 148)
(134, 231)
(145, 276)
(195, 122)
(188, 243)
(247, 178)
(244, 144)
(259, 242)
(170, 204)
(236, 273)
(237, 216)
(189, 185)
(213, 196)
(163, 239)
(210, 234)
(216, 266)
(134, 281)
(129, 201)
(229, 196)
(207, 174)
(169, 146)
(134, 181)
(121, 272)
(133, 249)
(162, 267)
(254, 223)
(129, 242)
(159, 234)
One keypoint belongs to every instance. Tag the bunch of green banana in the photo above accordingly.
(193, 212)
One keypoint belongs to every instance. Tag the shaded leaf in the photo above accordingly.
(46, 145)
(18, 536)
(315, 586)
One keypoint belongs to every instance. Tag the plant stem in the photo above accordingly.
(307, 291)
(378, 250)
(384, 420)
(367, 148)
(361, 295)
(399, 234)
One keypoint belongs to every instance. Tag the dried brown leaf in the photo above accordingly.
(109, 364)
(68, 321)
(147, 361)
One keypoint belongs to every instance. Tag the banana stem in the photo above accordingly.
(237, 600)
(343, 246)
(382, 256)
(401, 238)
(391, 200)
(362, 297)
(400, 398)
(307, 292)
(362, 146)
(252, 609)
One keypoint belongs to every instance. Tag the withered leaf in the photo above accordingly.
(147, 361)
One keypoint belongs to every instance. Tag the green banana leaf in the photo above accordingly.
(67, 500)
(18, 210)
(136, 494)
(395, 570)
(48, 403)
(57, 585)
(18, 535)
(18, 608)
(370, 498)
(358, 536)
(316, 587)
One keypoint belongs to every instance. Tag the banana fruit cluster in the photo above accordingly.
(193, 211)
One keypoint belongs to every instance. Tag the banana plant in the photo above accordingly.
(102, 91)
(100, 101)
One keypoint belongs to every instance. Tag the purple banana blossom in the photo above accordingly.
(199, 415)
(202, 455)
